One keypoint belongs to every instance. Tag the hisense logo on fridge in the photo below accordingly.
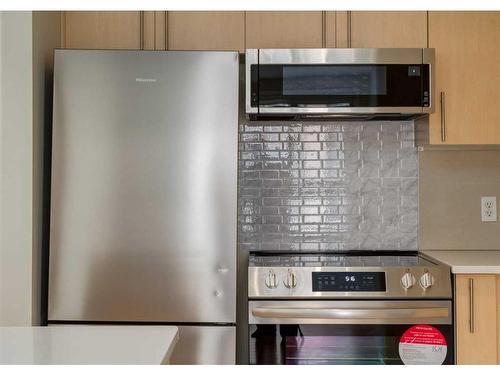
(145, 80)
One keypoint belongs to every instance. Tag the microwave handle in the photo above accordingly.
(349, 314)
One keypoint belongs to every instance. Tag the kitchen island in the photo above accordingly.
(87, 344)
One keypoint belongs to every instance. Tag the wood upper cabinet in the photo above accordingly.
(388, 29)
(284, 29)
(154, 30)
(477, 299)
(468, 76)
(358, 29)
(102, 30)
(206, 31)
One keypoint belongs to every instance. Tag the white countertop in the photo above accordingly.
(468, 261)
(87, 344)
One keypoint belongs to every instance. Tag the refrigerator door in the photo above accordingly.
(144, 179)
(205, 346)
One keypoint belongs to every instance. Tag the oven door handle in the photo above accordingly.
(349, 313)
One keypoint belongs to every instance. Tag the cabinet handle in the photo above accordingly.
(323, 29)
(471, 305)
(141, 30)
(443, 118)
(349, 31)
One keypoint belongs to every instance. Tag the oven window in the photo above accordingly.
(334, 80)
(294, 344)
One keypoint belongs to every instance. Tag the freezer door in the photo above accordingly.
(144, 179)
(199, 345)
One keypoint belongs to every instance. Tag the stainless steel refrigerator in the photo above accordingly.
(143, 194)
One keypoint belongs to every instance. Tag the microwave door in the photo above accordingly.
(340, 86)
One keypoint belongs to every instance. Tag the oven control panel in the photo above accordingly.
(346, 276)
(348, 282)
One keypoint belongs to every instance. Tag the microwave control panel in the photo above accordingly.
(348, 282)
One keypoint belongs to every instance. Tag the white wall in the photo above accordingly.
(27, 40)
(16, 162)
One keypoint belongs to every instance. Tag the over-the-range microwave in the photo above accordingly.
(339, 82)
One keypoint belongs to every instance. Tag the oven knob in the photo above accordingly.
(291, 280)
(427, 280)
(271, 280)
(407, 281)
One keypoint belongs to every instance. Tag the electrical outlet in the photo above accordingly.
(488, 208)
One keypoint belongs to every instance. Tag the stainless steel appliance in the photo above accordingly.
(351, 308)
(365, 83)
(143, 195)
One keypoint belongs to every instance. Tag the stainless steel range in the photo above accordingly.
(358, 307)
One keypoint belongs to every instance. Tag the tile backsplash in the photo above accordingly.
(328, 186)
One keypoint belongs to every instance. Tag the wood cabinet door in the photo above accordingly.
(102, 30)
(476, 319)
(467, 73)
(154, 30)
(284, 29)
(388, 29)
(206, 31)
(498, 319)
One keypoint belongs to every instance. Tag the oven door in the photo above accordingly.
(351, 332)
